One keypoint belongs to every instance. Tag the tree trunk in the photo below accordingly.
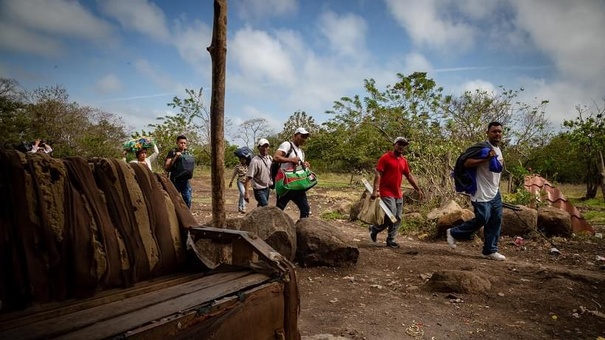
(602, 174)
(218, 54)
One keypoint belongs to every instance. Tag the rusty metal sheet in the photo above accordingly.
(540, 186)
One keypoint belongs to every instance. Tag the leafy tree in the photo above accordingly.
(296, 120)
(71, 129)
(47, 114)
(557, 161)
(14, 122)
(191, 120)
(252, 130)
(587, 137)
(103, 136)
(230, 159)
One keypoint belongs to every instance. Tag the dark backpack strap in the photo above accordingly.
(291, 149)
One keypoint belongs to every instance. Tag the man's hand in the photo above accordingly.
(374, 194)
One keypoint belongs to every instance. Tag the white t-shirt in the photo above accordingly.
(488, 183)
(150, 158)
(285, 147)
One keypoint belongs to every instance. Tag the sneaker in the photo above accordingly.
(451, 241)
(495, 256)
(392, 244)
(372, 234)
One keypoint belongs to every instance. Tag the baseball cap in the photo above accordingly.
(302, 131)
(401, 139)
(262, 142)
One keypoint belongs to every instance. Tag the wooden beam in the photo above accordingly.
(218, 54)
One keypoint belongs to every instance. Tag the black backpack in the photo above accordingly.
(182, 170)
(275, 167)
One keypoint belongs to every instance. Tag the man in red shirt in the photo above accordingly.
(387, 185)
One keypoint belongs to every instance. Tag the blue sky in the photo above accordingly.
(130, 57)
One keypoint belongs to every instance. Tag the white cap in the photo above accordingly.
(401, 139)
(302, 131)
(262, 142)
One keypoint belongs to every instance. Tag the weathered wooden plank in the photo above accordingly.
(125, 322)
(218, 284)
(55, 309)
(256, 316)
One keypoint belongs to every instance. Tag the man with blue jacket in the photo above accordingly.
(477, 172)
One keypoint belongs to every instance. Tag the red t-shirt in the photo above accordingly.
(392, 168)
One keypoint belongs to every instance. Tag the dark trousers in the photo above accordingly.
(184, 188)
(299, 198)
(262, 196)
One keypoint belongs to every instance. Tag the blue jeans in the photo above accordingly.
(488, 215)
(395, 205)
(262, 196)
(299, 198)
(241, 204)
(185, 189)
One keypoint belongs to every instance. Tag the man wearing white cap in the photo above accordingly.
(259, 174)
(387, 184)
(289, 155)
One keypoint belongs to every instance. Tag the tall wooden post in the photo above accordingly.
(218, 54)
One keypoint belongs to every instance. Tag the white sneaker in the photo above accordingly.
(495, 256)
(451, 241)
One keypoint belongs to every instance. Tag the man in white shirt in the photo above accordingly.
(290, 155)
(485, 197)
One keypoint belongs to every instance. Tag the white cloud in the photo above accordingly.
(477, 9)
(476, 84)
(39, 26)
(108, 84)
(262, 59)
(263, 9)
(15, 38)
(569, 33)
(563, 98)
(426, 26)
(346, 33)
(191, 42)
(141, 16)
(417, 62)
(67, 18)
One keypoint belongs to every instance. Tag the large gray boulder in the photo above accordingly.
(273, 226)
(554, 221)
(445, 209)
(519, 223)
(452, 219)
(321, 244)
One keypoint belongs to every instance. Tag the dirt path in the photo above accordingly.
(533, 295)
